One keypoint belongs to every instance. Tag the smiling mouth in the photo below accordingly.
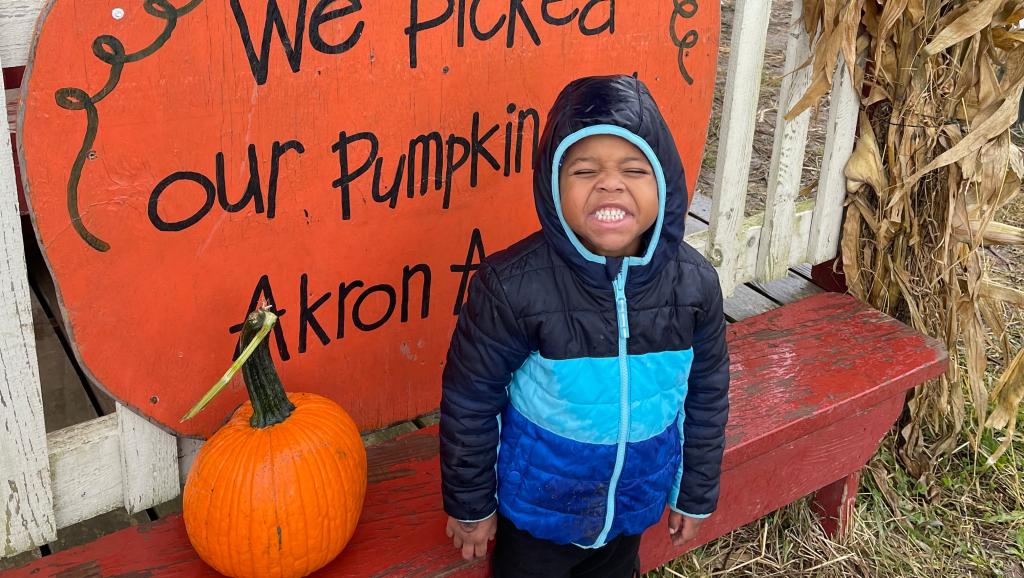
(610, 215)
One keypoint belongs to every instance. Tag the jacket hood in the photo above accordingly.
(622, 106)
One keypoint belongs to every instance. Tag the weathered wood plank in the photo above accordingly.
(803, 270)
(700, 213)
(753, 233)
(428, 420)
(838, 356)
(18, 22)
(377, 437)
(789, 289)
(85, 462)
(187, 450)
(700, 208)
(787, 164)
(750, 235)
(19, 560)
(86, 471)
(823, 243)
(745, 302)
(86, 531)
(27, 510)
(736, 137)
(798, 424)
(149, 462)
(693, 225)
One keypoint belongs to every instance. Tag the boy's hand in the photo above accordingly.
(682, 528)
(472, 537)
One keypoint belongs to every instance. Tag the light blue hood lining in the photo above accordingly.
(659, 174)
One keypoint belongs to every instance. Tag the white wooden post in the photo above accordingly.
(188, 448)
(149, 462)
(17, 24)
(26, 505)
(823, 243)
(736, 136)
(773, 252)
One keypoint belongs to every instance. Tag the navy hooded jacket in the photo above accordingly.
(583, 393)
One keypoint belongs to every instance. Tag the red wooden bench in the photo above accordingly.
(816, 385)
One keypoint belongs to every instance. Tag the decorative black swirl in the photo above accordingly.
(111, 51)
(683, 9)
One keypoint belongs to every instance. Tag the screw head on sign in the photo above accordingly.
(117, 13)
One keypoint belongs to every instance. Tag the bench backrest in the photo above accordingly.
(52, 480)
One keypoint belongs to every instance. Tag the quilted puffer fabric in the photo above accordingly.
(582, 393)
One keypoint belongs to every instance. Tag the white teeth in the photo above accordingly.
(610, 215)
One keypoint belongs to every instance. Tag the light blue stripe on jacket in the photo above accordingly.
(579, 398)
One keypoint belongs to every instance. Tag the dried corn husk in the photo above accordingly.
(940, 84)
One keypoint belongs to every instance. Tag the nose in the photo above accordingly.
(610, 181)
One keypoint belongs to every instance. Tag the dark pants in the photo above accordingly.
(517, 554)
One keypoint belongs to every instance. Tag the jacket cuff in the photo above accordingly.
(689, 515)
(480, 520)
(467, 510)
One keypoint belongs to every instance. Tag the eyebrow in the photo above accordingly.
(633, 158)
(580, 160)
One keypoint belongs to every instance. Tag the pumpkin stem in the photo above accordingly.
(270, 404)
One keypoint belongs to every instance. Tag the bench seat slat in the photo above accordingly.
(816, 361)
(816, 385)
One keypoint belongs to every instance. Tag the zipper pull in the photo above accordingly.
(623, 317)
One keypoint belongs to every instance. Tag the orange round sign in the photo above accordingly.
(348, 162)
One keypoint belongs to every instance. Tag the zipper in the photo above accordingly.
(622, 317)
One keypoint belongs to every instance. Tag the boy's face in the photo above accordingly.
(609, 194)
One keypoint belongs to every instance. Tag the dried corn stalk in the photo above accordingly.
(940, 83)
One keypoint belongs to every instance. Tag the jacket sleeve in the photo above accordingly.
(706, 407)
(487, 347)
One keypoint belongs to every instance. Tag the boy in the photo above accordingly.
(593, 352)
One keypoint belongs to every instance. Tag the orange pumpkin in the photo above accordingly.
(277, 491)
